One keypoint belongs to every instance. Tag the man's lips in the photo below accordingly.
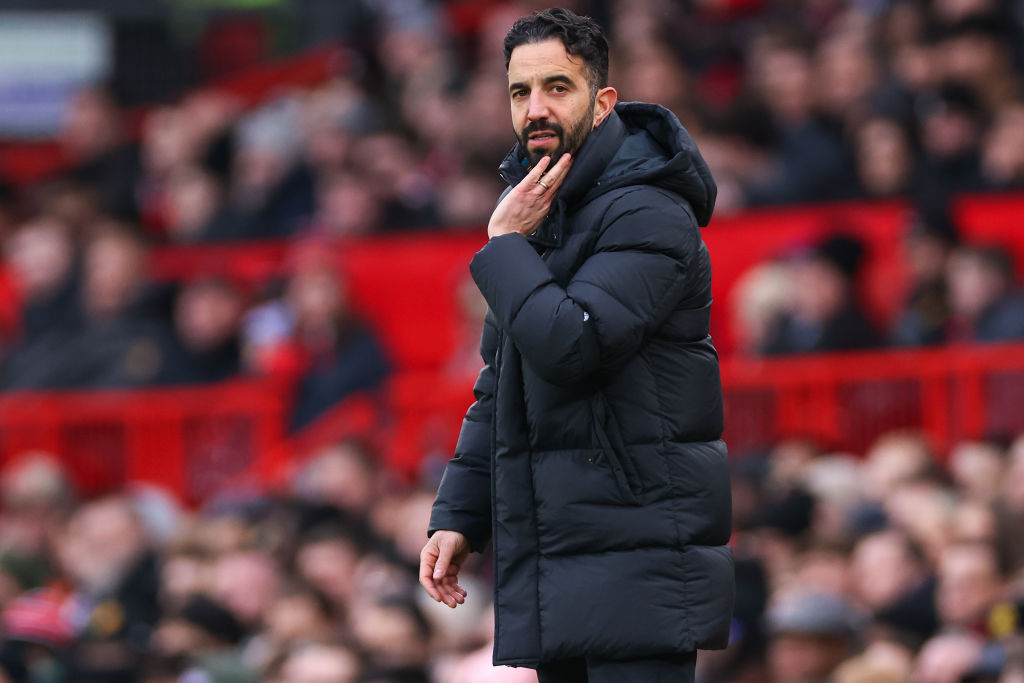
(542, 137)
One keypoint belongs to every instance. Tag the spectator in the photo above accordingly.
(92, 138)
(824, 314)
(811, 634)
(986, 304)
(206, 318)
(1002, 160)
(340, 355)
(925, 317)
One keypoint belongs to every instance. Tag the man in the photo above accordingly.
(592, 456)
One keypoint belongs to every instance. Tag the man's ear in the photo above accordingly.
(604, 103)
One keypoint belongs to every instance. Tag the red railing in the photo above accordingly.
(199, 442)
(846, 400)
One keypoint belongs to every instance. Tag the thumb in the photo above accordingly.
(444, 557)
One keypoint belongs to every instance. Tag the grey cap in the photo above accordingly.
(814, 614)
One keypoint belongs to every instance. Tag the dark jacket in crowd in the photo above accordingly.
(592, 457)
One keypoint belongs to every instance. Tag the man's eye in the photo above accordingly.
(560, 89)
(518, 94)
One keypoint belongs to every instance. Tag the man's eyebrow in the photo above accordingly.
(556, 78)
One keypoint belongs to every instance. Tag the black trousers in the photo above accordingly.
(676, 669)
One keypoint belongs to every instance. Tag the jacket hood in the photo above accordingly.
(637, 144)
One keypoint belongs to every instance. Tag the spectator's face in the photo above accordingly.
(339, 476)
(193, 197)
(1013, 481)
(206, 315)
(882, 570)
(947, 132)
(945, 659)
(350, 207)
(112, 274)
(883, 156)
(977, 469)
(552, 104)
(101, 542)
(784, 78)
(1003, 153)
(972, 58)
(798, 658)
(972, 285)
(320, 664)
(845, 74)
(296, 617)
(819, 290)
(328, 566)
(91, 125)
(41, 254)
(969, 584)
(315, 295)
(246, 583)
(390, 635)
(892, 461)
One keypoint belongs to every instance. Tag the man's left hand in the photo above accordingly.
(525, 207)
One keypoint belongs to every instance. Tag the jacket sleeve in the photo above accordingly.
(463, 501)
(622, 292)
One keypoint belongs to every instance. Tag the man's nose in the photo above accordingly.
(538, 107)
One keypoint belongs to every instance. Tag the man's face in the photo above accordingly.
(552, 103)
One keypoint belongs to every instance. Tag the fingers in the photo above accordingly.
(556, 175)
(537, 171)
(439, 574)
(428, 559)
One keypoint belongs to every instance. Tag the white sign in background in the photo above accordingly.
(45, 57)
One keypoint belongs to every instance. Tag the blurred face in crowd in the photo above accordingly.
(113, 272)
(948, 132)
(819, 290)
(969, 584)
(846, 74)
(977, 468)
(1013, 480)
(350, 205)
(1003, 152)
(320, 664)
(316, 296)
(328, 565)
(884, 158)
(784, 80)
(193, 197)
(101, 542)
(883, 569)
(895, 459)
(91, 125)
(946, 658)
(973, 283)
(553, 104)
(390, 634)
(246, 583)
(341, 476)
(206, 315)
(297, 616)
(804, 658)
(41, 253)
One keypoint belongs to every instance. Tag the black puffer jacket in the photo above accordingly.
(592, 457)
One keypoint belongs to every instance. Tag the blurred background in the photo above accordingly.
(237, 332)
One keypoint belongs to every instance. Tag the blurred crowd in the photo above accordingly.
(901, 565)
(314, 584)
(791, 102)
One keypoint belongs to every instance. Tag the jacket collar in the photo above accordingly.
(591, 160)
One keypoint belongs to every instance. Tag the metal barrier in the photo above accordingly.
(199, 442)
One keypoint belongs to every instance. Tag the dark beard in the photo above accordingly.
(570, 143)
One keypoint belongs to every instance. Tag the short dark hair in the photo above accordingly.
(581, 36)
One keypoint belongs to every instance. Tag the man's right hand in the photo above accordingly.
(440, 561)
